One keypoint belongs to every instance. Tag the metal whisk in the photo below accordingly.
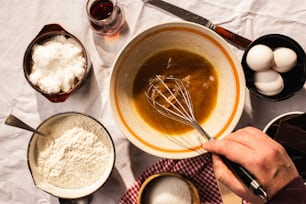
(171, 98)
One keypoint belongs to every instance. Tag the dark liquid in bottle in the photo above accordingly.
(101, 9)
(107, 18)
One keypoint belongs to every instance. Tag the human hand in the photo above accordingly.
(266, 159)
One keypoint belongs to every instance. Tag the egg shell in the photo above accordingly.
(284, 59)
(260, 57)
(268, 82)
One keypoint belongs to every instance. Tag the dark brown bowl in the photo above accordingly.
(298, 157)
(293, 80)
(47, 32)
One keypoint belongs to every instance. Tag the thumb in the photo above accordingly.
(210, 146)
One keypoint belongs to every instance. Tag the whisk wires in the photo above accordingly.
(171, 98)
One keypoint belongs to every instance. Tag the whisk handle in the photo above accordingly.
(201, 130)
(246, 177)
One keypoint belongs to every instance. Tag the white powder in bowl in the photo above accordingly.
(168, 190)
(73, 155)
(57, 64)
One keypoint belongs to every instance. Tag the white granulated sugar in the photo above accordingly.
(74, 157)
(169, 190)
(57, 63)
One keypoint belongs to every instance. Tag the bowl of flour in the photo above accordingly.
(55, 63)
(75, 159)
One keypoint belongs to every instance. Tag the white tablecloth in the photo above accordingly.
(20, 22)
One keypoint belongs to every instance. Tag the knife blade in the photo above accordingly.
(235, 39)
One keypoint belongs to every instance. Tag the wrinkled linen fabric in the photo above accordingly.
(21, 21)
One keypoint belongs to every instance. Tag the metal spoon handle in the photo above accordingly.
(15, 122)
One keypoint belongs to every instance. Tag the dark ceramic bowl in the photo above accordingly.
(293, 80)
(47, 32)
(298, 158)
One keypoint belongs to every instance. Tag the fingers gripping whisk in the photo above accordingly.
(170, 97)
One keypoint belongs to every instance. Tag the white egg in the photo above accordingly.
(268, 82)
(260, 57)
(284, 59)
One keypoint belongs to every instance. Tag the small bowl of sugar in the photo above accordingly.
(75, 159)
(56, 63)
(168, 187)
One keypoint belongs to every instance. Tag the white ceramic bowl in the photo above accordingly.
(38, 144)
(189, 37)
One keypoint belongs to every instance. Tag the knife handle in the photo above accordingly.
(234, 38)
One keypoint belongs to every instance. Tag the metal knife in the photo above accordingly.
(233, 38)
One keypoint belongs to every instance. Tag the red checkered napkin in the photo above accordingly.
(198, 170)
